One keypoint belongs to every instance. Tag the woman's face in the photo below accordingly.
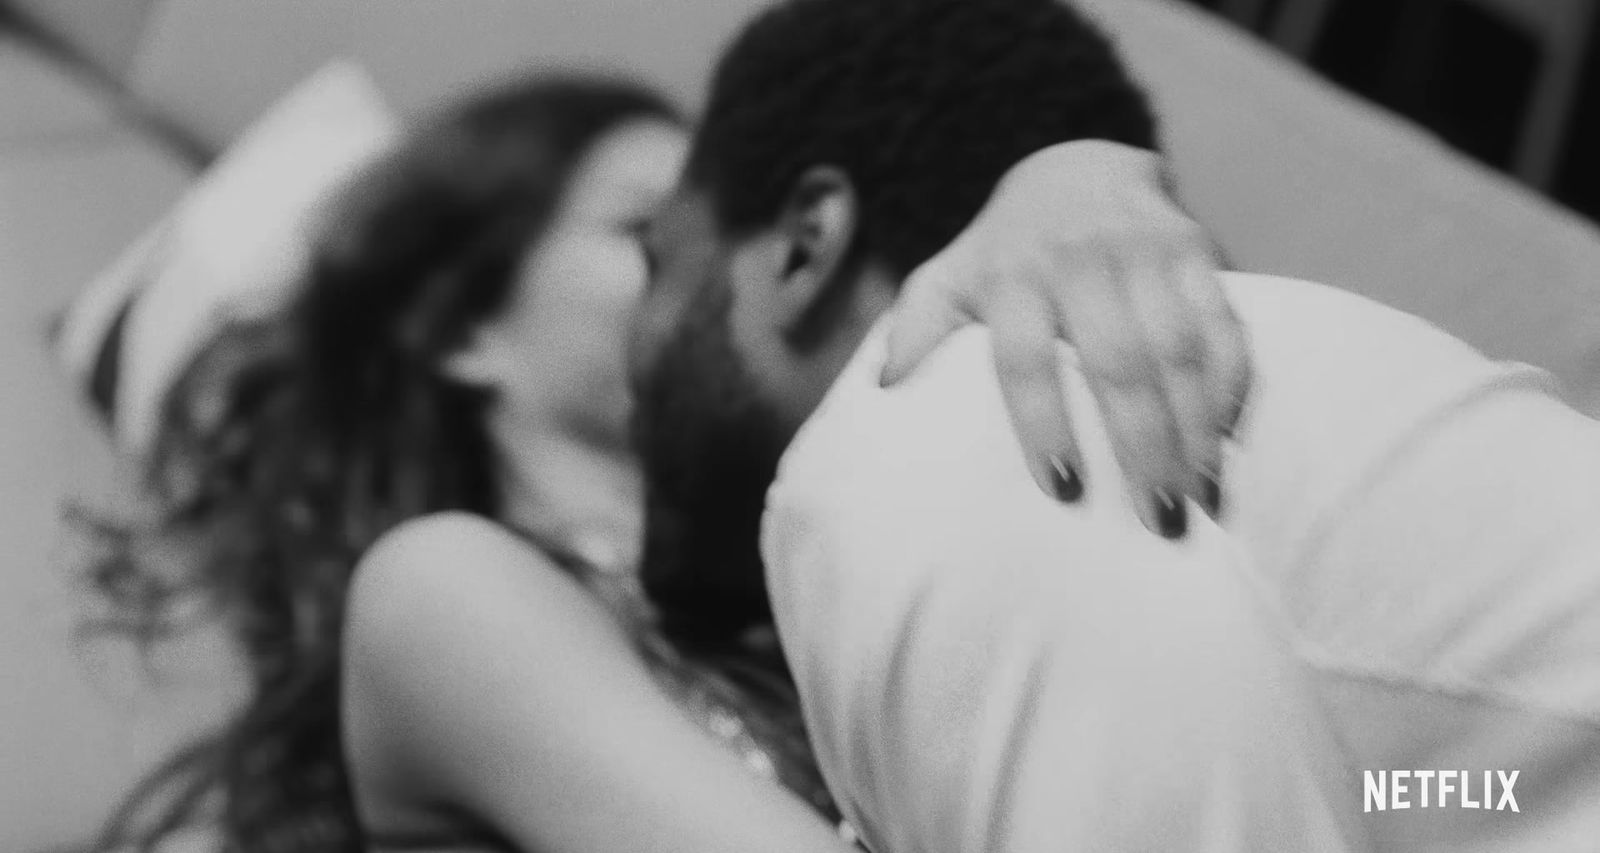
(555, 356)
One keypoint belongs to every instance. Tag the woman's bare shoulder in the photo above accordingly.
(448, 585)
(454, 563)
(445, 612)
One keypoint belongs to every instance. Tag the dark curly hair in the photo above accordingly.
(293, 443)
(925, 104)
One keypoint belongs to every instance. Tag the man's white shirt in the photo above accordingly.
(1407, 577)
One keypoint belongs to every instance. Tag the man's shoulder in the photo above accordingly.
(1314, 347)
(938, 430)
(1341, 381)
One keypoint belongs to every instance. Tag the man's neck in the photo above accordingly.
(811, 376)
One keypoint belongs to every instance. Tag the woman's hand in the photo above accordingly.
(1080, 242)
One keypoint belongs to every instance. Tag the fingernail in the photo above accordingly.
(1211, 496)
(1065, 480)
(1172, 517)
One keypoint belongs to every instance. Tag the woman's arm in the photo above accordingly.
(481, 680)
(1081, 242)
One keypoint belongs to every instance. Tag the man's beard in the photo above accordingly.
(710, 449)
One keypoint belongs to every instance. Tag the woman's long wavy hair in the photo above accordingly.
(294, 442)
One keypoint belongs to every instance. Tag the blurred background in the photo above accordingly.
(1435, 155)
(1513, 83)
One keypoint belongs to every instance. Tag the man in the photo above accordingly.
(1406, 577)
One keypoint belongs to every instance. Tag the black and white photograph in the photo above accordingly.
(800, 426)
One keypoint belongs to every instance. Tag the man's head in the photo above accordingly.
(845, 142)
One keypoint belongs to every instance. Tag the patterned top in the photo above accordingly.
(742, 696)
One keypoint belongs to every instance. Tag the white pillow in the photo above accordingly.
(234, 247)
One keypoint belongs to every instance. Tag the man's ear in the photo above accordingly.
(818, 226)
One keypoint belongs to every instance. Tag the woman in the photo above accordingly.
(444, 403)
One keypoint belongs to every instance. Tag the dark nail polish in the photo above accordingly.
(1172, 516)
(1211, 496)
(1066, 482)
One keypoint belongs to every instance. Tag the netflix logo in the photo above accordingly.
(1439, 789)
